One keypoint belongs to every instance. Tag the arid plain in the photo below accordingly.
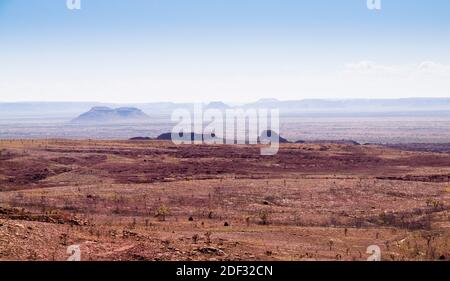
(152, 200)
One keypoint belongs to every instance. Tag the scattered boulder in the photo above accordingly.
(211, 251)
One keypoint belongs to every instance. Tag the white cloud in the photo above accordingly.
(423, 68)
(370, 67)
(433, 68)
(371, 79)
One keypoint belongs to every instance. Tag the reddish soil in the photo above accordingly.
(150, 200)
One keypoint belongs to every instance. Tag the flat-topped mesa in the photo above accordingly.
(106, 115)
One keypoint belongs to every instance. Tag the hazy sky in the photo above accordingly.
(230, 50)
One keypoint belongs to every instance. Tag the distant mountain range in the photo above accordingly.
(356, 105)
(106, 115)
(69, 110)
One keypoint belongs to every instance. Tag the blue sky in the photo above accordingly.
(231, 50)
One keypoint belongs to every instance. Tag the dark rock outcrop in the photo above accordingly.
(268, 135)
(140, 139)
(193, 136)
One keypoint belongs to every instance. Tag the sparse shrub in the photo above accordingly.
(63, 239)
(330, 244)
(162, 212)
(133, 224)
(208, 237)
(195, 238)
(264, 217)
(430, 237)
(436, 205)
(387, 218)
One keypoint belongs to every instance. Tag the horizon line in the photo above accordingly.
(225, 102)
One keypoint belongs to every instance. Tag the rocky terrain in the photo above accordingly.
(152, 200)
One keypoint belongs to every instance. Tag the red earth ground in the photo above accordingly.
(149, 200)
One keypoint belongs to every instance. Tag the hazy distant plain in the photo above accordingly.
(363, 129)
(415, 120)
